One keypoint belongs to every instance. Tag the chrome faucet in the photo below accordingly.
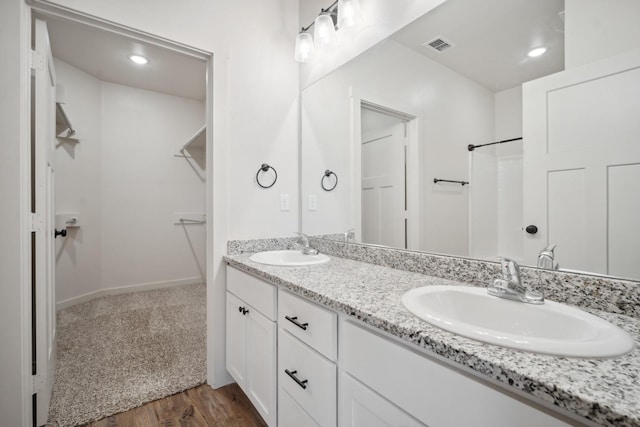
(545, 258)
(350, 235)
(303, 245)
(510, 285)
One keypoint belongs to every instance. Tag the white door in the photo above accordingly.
(43, 259)
(581, 166)
(384, 206)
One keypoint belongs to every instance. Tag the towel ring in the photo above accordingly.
(328, 174)
(265, 168)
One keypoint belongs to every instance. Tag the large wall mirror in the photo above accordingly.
(394, 126)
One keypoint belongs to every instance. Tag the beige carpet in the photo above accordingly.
(118, 352)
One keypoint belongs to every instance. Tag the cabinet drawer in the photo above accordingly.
(309, 378)
(435, 394)
(290, 414)
(255, 292)
(314, 325)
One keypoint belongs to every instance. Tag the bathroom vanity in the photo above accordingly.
(349, 354)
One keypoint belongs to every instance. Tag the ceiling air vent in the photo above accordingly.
(439, 44)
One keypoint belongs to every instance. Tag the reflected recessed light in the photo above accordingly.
(139, 59)
(536, 52)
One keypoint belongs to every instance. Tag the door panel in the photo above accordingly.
(383, 186)
(236, 340)
(43, 74)
(261, 364)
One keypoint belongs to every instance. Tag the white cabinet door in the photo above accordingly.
(236, 340)
(261, 364)
(361, 407)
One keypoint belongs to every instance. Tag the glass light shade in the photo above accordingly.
(324, 32)
(304, 46)
(349, 13)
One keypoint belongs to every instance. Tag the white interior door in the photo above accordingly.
(384, 208)
(582, 166)
(44, 137)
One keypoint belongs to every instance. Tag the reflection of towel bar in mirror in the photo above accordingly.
(437, 180)
(472, 147)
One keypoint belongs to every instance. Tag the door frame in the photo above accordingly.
(216, 73)
(414, 175)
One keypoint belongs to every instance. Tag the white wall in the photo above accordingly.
(77, 185)
(596, 29)
(381, 18)
(143, 185)
(15, 354)
(452, 110)
(125, 183)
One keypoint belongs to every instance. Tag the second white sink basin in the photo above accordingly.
(288, 258)
(550, 328)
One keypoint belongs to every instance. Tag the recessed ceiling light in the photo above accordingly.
(139, 59)
(536, 52)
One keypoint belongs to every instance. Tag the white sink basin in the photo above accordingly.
(550, 328)
(288, 258)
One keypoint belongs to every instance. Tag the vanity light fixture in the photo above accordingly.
(341, 13)
(536, 52)
(138, 59)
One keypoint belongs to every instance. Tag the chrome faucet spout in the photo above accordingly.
(546, 258)
(510, 285)
(304, 246)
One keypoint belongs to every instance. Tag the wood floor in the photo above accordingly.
(199, 406)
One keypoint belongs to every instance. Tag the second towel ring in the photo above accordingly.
(327, 174)
(265, 168)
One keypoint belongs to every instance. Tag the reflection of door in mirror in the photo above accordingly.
(582, 164)
(384, 219)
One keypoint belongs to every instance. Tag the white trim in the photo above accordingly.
(127, 289)
(47, 8)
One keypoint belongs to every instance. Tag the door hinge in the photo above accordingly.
(37, 383)
(36, 61)
(36, 222)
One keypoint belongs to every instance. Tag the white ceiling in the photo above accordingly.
(492, 38)
(105, 56)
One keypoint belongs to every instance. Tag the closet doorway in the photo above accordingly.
(132, 196)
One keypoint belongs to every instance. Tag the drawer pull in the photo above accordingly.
(294, 320)
(243, 310)
(292, 374)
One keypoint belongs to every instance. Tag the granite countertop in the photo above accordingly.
(606, 391)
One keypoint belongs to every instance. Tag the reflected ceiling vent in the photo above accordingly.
(439, 44)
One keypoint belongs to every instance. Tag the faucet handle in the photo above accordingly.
(510, 270)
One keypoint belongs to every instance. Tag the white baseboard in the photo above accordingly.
(127, 289)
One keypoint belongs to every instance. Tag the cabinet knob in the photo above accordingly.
(240, 309)
(244, 311)
(531, 229)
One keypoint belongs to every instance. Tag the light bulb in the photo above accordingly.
(304, 46)
(324, 32)
(537, 52)
(140, 60)
(349, 13)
